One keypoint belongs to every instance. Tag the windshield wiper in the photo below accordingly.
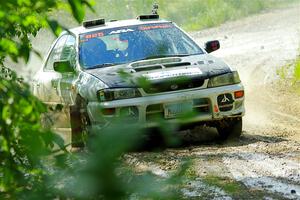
(100, 65)
(103, 65)
(164, 56)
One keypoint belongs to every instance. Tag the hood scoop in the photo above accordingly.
(157, 64)
(161, 66)
(147, 68)
(170, 65)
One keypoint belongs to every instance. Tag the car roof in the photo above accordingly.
(113, 24)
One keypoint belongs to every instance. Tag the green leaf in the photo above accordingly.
(59, 141)
(3, 144)
(77, 9)
(89, 4)
(55, 27)
(37, 53)
(5, 112)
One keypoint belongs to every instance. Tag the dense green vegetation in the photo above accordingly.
(23, 142)
(190, 14)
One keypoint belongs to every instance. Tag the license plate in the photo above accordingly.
(178, 109)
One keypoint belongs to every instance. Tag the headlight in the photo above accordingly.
(117, 94)
(225, 79)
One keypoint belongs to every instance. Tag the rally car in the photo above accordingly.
(144, 69)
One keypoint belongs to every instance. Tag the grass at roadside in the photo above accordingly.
(296, 76)
(196, 15)
(290, 75)
(297, 70)
(230, 186)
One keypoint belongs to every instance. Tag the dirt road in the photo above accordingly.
(265, 162)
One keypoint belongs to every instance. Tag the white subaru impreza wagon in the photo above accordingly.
(96, 71)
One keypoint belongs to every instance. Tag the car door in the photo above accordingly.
(66, 84)
(46, 80)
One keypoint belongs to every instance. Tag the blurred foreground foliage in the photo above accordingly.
(34, 162)
(22, 19)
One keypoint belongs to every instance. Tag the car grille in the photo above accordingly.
(173, 86)
(155, 112)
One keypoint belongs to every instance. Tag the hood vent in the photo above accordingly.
(177, 64)
(202, 62)
(148, 68)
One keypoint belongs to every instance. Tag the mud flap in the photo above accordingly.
(230, 128)
(76, 127)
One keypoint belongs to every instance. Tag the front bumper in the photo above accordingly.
(209, 108)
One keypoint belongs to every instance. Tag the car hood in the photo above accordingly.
(161, 70)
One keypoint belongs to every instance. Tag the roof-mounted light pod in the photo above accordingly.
(91, 23)
(148, 17)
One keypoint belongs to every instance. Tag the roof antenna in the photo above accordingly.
(155, 9)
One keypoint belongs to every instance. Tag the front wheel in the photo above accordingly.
(79, 124)
(230, 128)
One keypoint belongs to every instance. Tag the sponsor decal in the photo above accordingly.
(173, 73)
(121, 31)
(94, 35)
(159, 26)
(102, 33)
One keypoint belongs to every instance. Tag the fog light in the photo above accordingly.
(239, 94)
(216, 109)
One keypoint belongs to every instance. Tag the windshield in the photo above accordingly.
(132, 43)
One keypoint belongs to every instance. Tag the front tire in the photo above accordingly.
(79, 123)
(230, 128)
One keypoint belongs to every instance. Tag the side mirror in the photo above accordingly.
(63, 66)
(212, 46)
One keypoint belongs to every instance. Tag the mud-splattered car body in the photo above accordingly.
(186, 80)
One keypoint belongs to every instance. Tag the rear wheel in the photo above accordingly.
(230, 128)
(79, 123)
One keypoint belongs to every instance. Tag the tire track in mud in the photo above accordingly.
(189, 189)
(199, 189)
(261, 171)
(259, 167)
